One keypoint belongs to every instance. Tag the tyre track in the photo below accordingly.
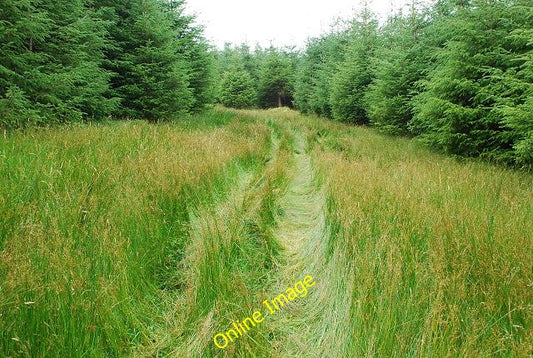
(303, 232)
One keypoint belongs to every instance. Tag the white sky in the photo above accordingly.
(282, 22)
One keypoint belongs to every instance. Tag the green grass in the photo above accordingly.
(439, 252)
(129, 238)
(92, 217)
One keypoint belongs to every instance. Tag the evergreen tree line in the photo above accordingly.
(263, 78)
(458, 74)
(65, 61)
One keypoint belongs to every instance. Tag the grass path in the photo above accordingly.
(130, 239)
(222, 287)
(226, 265)
(303, 232)
(210, 232)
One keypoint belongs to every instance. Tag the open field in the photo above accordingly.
(132, 239)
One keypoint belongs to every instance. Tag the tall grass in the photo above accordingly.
(229, 261)
(92, 217)
(437, 254)
(135, 239)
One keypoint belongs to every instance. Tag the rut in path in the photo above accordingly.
(222, 267)
(211, 300)
(303, 231)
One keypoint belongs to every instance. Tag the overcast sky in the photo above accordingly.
(282, 22)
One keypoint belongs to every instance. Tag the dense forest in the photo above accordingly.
(90, 59)
(457, 74)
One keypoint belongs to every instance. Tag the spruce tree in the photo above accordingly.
(400, 62)
(75, 55)
(228, 61)
(515, 84)
(150, 77)
(52, 55)
(191, 47)
(276, 81)
(23, 30)
(459, 111)
(315, 73)
(238, 89)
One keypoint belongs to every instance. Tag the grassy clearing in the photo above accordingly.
(134, 239)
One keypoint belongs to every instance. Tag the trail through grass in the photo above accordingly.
(302, 232)
(132, 239)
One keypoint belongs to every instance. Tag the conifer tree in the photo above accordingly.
(459, 109)
(276, 80)
(74, 50)
(354, 74)
(400, 62)
(52, 55)
(23, 30)
(317, 68)
(515, 85)
(238, 89)
(150, 77)
(191, 46)
(232, 58)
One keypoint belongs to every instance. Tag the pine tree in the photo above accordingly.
(314, 75)
(160, 61)
(191, 46)
(75, 52)
(52, 55)
(23, 30)
(459, 111)
(16, 110)
(231, 58)
(400, 63)
(151, 78)
(515, 85)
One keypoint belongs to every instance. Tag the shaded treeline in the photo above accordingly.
(89, 59)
